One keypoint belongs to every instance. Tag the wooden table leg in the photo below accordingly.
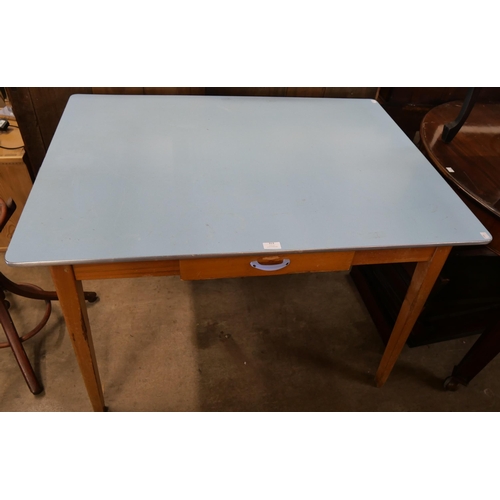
(484, 350)
(423, 280)
(71, 298)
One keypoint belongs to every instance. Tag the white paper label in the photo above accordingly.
(450, 169)
(486, 236)
(272, 245)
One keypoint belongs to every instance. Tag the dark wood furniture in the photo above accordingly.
(15, 181)
(466, 297)
(407, 106)
(468, 156)
(471, 161)
(484, 350)
(14, 340)
(464, 301)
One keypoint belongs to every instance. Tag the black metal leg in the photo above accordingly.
(451, 129)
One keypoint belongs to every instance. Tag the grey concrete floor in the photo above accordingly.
(285, 343)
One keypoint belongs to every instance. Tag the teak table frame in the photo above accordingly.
(68, 283)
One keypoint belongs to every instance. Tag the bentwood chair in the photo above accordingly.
(14, 340)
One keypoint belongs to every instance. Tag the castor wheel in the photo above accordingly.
(91, 297)
(451, 384)
(7, 304)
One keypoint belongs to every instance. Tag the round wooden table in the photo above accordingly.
(471, 161)
(471, 165)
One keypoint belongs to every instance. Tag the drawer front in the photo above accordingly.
(264, 265)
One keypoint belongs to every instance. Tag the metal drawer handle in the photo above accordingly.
(270, 267)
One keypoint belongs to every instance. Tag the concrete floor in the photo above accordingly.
(286, 343)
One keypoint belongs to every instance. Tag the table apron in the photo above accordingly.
(231, 267)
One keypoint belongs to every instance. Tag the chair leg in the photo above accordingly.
(28, 292)
(450, 130)
(14, 342)
(18, 349)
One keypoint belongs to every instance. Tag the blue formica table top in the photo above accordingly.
(134, 178)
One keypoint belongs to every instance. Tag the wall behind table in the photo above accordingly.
(39, 109)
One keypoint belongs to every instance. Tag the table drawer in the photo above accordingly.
(264, 265)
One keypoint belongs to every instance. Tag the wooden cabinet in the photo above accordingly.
(15, 181)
